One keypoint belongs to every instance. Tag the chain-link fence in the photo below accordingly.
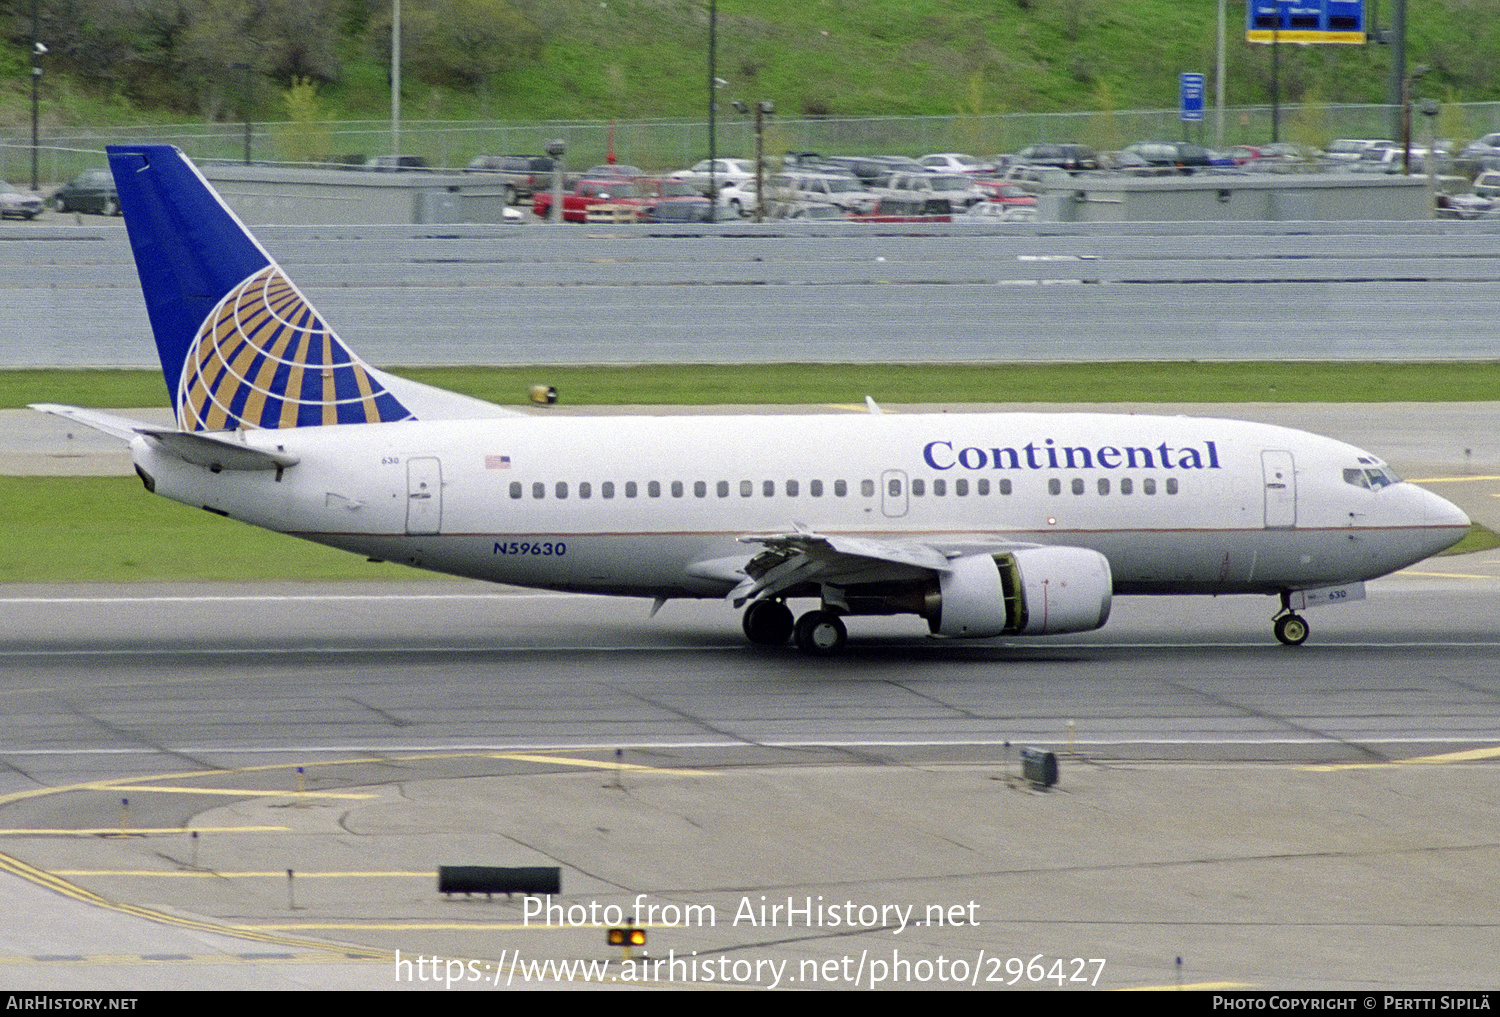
(672, 144)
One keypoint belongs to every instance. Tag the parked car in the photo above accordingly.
(847, 192)
(609, 199)
(940, 193)
(1182, 155)
(524, 175)
(18, 204)
(674, 201)
(1005, 193)
(613, 169)
(397, 164)
(1072, 158)
(92, 191)
(990, 211)
(875, 169)
(1350, 149)
(738, 199)
(1485, 151)
(952, 162)
(913, 208)
(1487, 185)
(725, 171)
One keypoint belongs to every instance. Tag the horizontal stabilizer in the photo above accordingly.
(217, 454)
(120, 427)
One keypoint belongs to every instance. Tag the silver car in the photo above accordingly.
(18, 204)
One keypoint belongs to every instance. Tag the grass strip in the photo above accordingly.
(785, 384)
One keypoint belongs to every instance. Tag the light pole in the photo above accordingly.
(396, 80)
(37, 49)
(1416, 75)
(763, 109)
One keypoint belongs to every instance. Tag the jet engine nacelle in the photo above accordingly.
(1033, 591)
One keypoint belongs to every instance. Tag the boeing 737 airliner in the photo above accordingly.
(982, 524)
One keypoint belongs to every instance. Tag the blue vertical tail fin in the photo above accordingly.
(240, 346)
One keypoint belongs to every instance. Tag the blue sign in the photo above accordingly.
(1305, 21)
(1190, 87)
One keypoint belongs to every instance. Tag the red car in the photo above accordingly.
(617, 199)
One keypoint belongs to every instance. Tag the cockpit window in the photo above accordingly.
(1371, 478)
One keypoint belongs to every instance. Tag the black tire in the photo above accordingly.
(1291, 630)
(767, 623)
(510, 194)
(111, 207)
(60, 204)
(820, 634)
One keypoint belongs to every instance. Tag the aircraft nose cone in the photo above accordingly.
(1442, 512)
(1445, 521)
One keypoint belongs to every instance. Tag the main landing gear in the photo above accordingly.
(819, 633)
(1290, 628)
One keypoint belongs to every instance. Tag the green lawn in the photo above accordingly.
(789, 384)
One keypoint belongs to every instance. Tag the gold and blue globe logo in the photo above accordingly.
(263, 358)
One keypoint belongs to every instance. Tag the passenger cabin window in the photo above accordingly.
(607, 489)
(630, 489)
(515, 489)
(815, 488)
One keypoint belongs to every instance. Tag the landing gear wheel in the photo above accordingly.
(820, 633)
(767, 623)
(1291, 629)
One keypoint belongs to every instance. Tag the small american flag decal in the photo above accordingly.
(497, 462)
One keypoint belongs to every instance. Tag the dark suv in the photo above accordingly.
(1067, 157)
(91, 191)
(524, 174)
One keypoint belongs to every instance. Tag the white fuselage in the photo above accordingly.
(655, 506)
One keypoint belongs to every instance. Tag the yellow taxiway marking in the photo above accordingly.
(51, 881)
(249, 792)
(115, 784)
(134, 831)
(206, 874)
(596, 764)
(1466, 756)
(1449, 480)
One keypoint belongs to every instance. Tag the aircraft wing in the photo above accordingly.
(790, 559)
